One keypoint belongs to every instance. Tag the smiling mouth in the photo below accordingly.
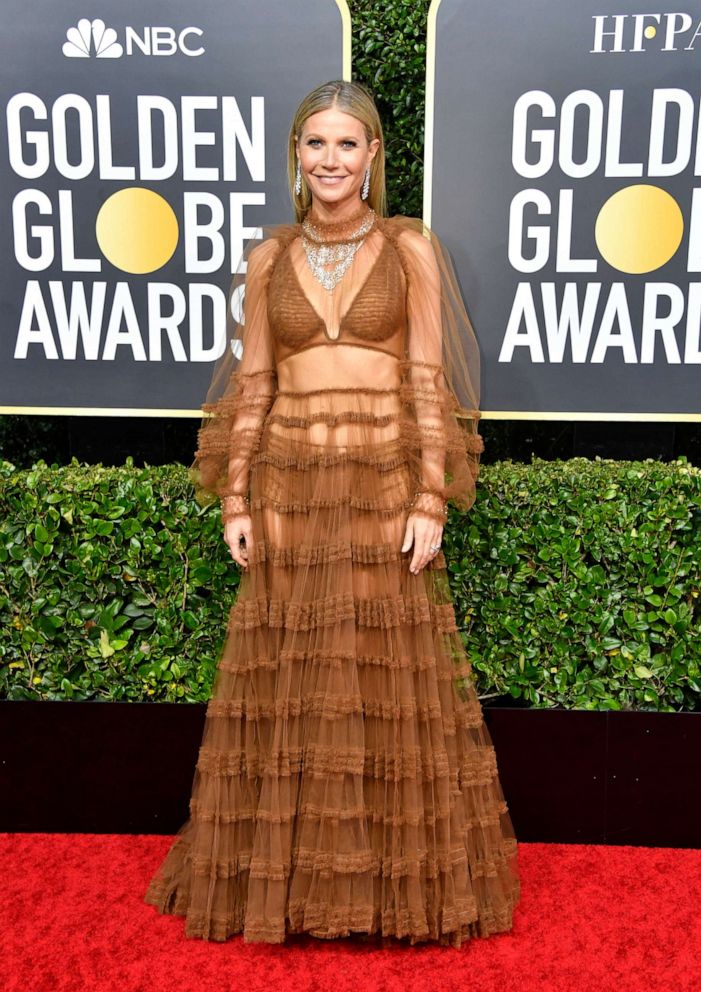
(332, 179)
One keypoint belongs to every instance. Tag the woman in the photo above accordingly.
(346, 781)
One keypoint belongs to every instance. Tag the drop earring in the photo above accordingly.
(298, 179)
(366, 185)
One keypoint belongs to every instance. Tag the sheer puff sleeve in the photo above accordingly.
(440, 375)
(244, 379)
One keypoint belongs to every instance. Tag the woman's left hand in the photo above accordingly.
(423, 531)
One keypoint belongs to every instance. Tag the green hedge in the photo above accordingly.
(576, 583)
(389, 57)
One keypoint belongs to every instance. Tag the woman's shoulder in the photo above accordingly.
(278, 234)
(267, 242)
(401, 223)
(411, 235)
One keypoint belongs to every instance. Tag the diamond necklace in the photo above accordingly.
(322, 248)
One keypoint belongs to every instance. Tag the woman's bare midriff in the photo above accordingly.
(307, 409)
(337, 365)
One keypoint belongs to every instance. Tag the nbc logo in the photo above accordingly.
(104, 41)
(92, 38)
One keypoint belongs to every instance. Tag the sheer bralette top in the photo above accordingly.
(399, 295)
(367, 308)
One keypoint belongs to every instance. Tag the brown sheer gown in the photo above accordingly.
(346, 780)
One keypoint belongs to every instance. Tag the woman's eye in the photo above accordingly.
(317, 141)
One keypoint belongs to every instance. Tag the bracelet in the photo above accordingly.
(233, 505)
(431, 492)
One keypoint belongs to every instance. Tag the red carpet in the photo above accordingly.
(591, 919)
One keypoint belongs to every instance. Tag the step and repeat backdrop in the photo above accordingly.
(563, 158)
(143, 143)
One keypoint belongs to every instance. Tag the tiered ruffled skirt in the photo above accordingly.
(346, 780)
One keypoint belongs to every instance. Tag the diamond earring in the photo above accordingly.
(366, 185)
(298, 179)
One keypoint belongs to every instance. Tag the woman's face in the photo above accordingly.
(334, 154)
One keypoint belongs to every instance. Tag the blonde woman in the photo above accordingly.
(346, 783)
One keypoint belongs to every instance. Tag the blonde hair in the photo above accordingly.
(351, 98)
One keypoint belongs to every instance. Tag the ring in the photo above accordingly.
(435, 547)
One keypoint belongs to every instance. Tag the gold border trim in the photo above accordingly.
(99, 411)
(484, 414)
(344, 11)
(429, 105)
(588, 415)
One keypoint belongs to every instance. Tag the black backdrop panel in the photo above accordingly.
(140, 148)
(563, 154)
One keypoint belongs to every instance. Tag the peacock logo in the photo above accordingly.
(90, 38)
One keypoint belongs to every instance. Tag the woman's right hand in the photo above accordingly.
(235, 528)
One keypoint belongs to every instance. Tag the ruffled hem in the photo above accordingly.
(447, 928)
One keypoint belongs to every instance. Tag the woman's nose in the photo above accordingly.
(330, 157)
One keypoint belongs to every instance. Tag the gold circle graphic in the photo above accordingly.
(639, 228)
(137, 230)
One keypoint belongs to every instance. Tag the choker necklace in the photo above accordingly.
(334, 243)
